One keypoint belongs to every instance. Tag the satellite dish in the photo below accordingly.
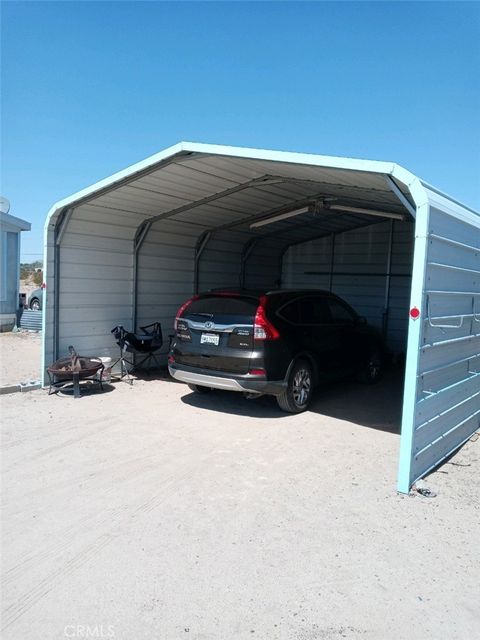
(4, 205)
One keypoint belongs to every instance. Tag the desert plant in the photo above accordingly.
(25, 272)
(38, 277)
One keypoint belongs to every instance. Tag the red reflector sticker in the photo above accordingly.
(414, 313)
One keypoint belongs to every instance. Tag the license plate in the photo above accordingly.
(209, 338)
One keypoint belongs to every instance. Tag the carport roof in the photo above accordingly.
(217, 187)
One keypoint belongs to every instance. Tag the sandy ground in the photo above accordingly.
(151, 512)
(20, 356)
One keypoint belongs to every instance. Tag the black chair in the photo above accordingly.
(144, 344)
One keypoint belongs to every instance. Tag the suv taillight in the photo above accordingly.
(263, 329)
(182, 310)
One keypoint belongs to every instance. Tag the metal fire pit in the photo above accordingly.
(73, 369)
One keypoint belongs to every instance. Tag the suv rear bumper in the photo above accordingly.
(216, 380)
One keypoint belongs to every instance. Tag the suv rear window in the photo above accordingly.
(291, 312)
(307, 310)
(228, 305)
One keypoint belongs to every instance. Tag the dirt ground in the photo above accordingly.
(152, 512)
(20, 356)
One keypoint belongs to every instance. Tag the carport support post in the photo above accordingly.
(332, 263)
(140, 236)
(60, 228)
(388, 278)
(199, 249)
(247, 250)
(415, 333)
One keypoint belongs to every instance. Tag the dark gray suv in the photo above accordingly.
(281, 343)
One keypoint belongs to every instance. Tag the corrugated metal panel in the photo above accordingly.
(301, 260)
(263, 268)
(220, 263)
(165, 273)
(400, 286)
(96, 280)
(360, 251)
(31, 320)
(302, 171)
(448, 378)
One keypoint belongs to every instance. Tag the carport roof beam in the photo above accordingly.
(406, 203)
(62, 225)
(217, 196)
(284, 208)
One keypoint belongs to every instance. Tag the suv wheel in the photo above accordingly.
(298, 393)
(198, 389)
(372, 369)
(35, 304)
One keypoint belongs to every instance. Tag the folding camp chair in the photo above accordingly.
(144, 344)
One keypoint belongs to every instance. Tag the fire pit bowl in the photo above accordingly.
(73, 369)
(63, 369)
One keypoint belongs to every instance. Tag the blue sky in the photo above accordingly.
(92, 87)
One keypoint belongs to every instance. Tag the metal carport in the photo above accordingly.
(129, 249)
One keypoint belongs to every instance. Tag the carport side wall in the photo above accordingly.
(263, 268)
(96, 281)
(220, 263)
(447, 394)
(360, 251)
(165, 274)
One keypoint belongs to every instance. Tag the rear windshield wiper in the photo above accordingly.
(205, 315)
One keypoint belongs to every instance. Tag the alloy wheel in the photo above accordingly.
(301, 387)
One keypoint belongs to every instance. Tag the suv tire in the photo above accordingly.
(298, 392)
(372, 370)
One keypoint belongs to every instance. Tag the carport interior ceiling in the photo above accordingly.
(130, 249)
(190, 222)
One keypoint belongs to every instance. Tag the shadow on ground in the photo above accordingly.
(377, 406)
(86, 390)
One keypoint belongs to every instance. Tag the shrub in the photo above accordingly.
(25, 272)
(38, 277)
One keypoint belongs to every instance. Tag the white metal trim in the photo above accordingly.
(205, 380)
(417, 299)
